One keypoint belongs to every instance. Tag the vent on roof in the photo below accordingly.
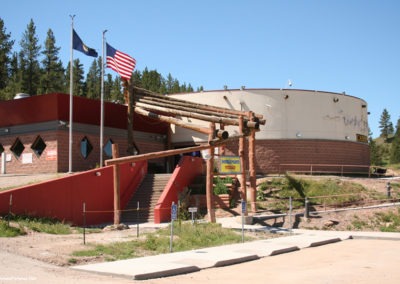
(21, 96)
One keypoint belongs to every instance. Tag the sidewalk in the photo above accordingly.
(191, 261)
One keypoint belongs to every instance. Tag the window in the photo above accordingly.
(38, 146)
(17, 148)
(108, 148)
(86, 147)
(1, 149)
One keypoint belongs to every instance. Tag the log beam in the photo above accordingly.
(116, 175)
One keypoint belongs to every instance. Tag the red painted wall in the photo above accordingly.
(183, 175)
(63, 198)
(49, 107)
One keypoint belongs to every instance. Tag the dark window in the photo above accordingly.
(86, 147)
(38, 146)
(17, 148)
(108, 148)
(1, 149)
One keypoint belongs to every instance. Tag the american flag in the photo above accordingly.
(120, 62)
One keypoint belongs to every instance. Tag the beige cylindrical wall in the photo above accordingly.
(302, 126)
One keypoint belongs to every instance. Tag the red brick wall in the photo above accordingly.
(270, 154)
(40, 164)
(58, 141)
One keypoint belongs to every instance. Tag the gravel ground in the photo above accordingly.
(44, 258)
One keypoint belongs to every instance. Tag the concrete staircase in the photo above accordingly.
(147, 195)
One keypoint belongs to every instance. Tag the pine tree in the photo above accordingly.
(93, 80)
(375, 151)
(5, 48)
(137, 78)
(385, 125)
(77, 74)
(395, 147)
(29, 63)
(53, 72)
(116, 94)
(151, 80)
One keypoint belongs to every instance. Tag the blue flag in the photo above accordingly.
(78, 44)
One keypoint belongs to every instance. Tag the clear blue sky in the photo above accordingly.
(350, 46)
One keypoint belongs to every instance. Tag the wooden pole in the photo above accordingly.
(128, 95)
(155, 155)
(172, 120)
(197, 106)
(116, 174)
(242, 162)
(210, 179)
(192, 113)
(252, 170)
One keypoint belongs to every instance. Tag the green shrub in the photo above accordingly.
(220, 186)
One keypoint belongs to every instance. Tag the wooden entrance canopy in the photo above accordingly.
(177, 111)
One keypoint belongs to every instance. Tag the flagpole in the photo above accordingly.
(71, 96)
(102, 103)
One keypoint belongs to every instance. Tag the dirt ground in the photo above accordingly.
(57, 249)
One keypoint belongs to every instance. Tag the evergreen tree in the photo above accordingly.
(375, 151)
(151, 80)
(77, 74)
(189, 88)
(53, 71)
(385, 125)
(116, 94)
(137, 78)
(5, 48)
(93, 80)
(29, 63)
(395, 148)
(169, 83)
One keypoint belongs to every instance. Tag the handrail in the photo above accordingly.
(313, 167)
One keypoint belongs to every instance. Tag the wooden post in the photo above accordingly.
(210, 178)
(222, 148)
(252, 169)
(128, 95)
(117, 208)
(242, 161)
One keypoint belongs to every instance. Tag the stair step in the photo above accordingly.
(147, 195)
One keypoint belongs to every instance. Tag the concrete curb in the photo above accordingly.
(192, 261)
(166, 273)
(285, 250)
(236, 260)
(321, 243)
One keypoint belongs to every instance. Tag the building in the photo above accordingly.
(34, 134)
(305, 130)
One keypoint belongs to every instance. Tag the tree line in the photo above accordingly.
(387, 152)
(37, 69)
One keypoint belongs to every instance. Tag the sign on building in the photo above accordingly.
(229, 165)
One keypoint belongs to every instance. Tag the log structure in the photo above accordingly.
(177, 112)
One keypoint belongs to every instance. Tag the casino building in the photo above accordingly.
(305, 130)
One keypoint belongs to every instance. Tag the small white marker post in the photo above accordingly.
(192, 210)
(243, 213)
(174, 211)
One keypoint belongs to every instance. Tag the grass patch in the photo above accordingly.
(330, 192)
(186, 237)
(43, 225)
(9, 231)
(381, 221)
